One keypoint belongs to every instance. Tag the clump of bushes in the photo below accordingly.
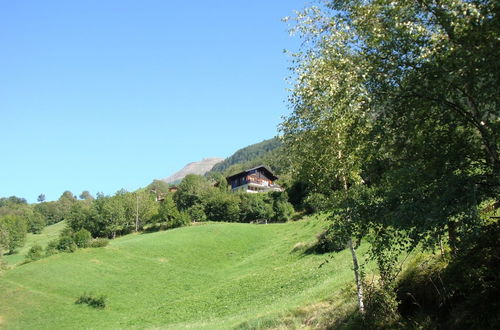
(99, 242)
(95, 302)
(35, 253)
(51, 248)
(68, 242)
(82, 238)
(331, 240)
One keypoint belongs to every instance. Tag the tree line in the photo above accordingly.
(151, 208)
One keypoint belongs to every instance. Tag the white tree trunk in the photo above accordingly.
(357, 277)
(355, 265)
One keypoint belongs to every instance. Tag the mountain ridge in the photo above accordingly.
(200, 168)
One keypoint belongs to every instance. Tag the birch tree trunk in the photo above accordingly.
(355, 264)
(357, 277)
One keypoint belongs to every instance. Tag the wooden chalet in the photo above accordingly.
(254, 180)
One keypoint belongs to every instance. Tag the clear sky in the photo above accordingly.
(101, 95)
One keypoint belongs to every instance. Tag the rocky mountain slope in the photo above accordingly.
(200, 168)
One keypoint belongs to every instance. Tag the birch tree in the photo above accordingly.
(326, 133)
(411, 85)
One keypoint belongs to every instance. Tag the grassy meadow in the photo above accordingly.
(218, 275)
(48, 234)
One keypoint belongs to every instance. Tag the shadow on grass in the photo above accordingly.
(322, 315)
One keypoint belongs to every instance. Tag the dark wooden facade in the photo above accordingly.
(256, 179)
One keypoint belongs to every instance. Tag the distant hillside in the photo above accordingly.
(198, 168)
(264, 152)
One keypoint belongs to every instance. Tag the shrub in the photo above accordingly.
(223, 207)
(51, 248)
(197, 212)
(254, 207)
(381, 307)
(99, 242)
(82, 238)
(95, 302)
(35, 253)
(283, 211)
(331, 240)
(183, 219)
(66, 244)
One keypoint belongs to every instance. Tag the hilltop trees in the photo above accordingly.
(85, 195)
(191, 191)
(168, 214)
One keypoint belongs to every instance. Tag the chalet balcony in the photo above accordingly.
(263, 186)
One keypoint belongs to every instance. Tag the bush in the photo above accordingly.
(51, 248)
(254, 207)
(331, 240)
(381, 307)
(66, 244)
(82, 238)
(35, 253)
(99, 242)
(95, 302)
(197, 212)
(283, 211)
(183, 219)
(223, 207)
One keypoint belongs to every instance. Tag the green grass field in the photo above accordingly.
(219, 275)
(48, 234)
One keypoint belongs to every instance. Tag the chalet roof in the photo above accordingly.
(268, 172)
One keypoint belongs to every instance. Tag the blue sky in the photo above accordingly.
(102, 95)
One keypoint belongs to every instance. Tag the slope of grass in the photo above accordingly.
(214, 276)
(48, 234)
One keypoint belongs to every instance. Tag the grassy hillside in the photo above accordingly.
(48, 234)
(221, 275)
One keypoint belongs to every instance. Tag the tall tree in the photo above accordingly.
(399, 94)
(325, 136)
(13, 231)
(191, 191)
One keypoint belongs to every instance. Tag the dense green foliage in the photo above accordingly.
(248, 157)
(18, 206)
(35, 253)
(395, 122)
(13, 231)
(48, 236)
